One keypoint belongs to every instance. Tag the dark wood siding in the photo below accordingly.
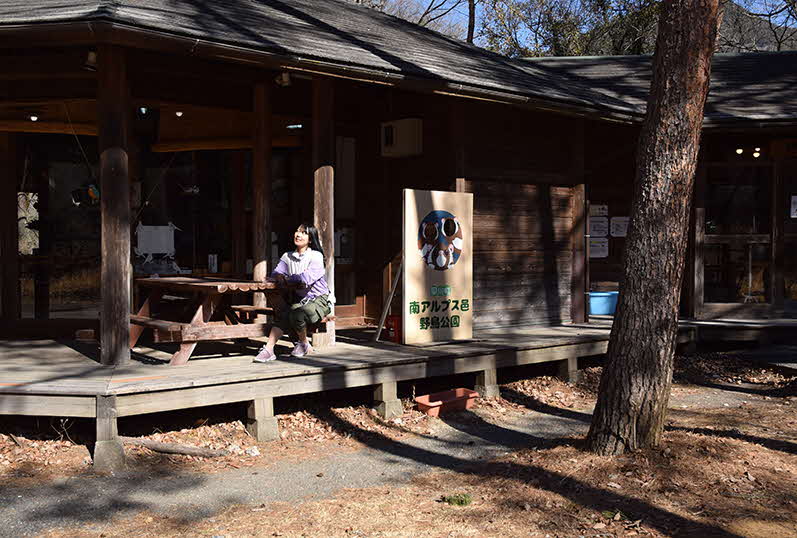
(522, 253)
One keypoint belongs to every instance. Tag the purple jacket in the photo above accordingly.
(307, 268)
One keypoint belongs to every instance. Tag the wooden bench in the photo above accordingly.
(248, 313)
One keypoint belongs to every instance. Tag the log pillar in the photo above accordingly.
(261, 422)
(386, 399)
(323, 144)
(109, 452)
(579, 274)
(113, 110)
(9, 230)
(261, 185)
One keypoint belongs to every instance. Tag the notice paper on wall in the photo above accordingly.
(598, 248)
(598, 226)
(619, 226)
(598, 210)
(794, 207)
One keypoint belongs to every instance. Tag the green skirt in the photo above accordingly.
(299, 315)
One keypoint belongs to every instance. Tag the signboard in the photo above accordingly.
(619, 226)
(794, 207)
(598, 210)
(599, 248)
(437, 302)
(598, 226)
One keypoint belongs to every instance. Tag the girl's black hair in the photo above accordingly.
(313, 239)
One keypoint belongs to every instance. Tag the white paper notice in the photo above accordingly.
(598, 226)
(794, 207)
(598, 248)
(619, 226)
(598, 210)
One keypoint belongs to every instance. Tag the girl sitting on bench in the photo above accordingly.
(310, 304)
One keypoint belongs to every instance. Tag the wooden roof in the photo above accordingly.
(359, 40)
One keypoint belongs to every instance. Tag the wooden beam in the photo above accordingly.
(113, 117)
(9, 232)
(288, 141)
(323, 145)
(56, 127)
(261, 185)
(578, 283)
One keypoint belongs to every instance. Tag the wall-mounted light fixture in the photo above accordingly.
(283, 80)
(34, 117)
(91, 61)
(294, 126)
(179, 114)
(143, 110)
(739, 151)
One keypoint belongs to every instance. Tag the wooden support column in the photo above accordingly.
(9, 232)
(567, 370)
(109, 453)
(779, 211)
(386, 399)
(237, 214)
(578, 285)
(323, 133)
(487, 383)
(261, 422)
(261, 185)
(113, 104)
(699, 216)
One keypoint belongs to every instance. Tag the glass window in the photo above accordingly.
(738, 200)
(737, 272)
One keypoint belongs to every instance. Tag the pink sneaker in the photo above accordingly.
(265, 355)
(301, 349)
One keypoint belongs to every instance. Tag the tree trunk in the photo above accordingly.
(635, 385)
(471, 19)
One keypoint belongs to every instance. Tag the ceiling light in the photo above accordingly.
(178, 114)
(34, 117)
(295, 126)
(739, 151)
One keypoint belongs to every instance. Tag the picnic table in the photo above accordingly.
(207, 297)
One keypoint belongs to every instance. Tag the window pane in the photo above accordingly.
(737, 273)
(738, 200)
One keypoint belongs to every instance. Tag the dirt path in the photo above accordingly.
(723, 430)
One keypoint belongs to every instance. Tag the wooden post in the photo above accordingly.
(261, 422)
(109, 453)
(578, 279)
(699, 215)
(487, 383)
(567, 370)
(779, 208)
(42, 274)
(261, 185)
(113, 103)
(9, 231)
(237, 213)
(386, 399)
(324, 175)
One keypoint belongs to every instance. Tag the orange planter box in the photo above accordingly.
(446, 401)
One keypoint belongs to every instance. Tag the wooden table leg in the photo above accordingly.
(146, 309)
(202, 315)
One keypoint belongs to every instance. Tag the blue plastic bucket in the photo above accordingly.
(602, 303)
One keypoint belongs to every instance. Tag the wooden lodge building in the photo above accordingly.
(231, 122)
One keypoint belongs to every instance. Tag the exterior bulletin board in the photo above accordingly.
(437, 300)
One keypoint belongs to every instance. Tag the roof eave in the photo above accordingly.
(103, 30)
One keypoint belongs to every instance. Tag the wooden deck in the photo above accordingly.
(51, 378)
